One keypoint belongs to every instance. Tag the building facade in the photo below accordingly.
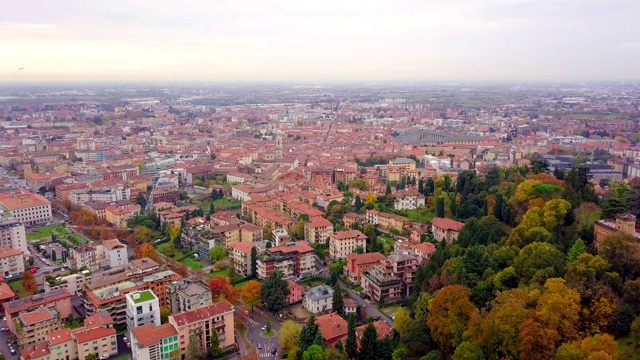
(12, 235)
(26, 207)
(343, 243)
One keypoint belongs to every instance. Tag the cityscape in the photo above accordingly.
(380, 180)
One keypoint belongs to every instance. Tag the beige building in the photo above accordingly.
(317, 230)
(86, 256)
(97, 340)
(33, 327)
(187, 294)
(446, 229)
(12, 235)
(295, 259)
(215, 317)
(119, 216)
(60, 345)
(26, 207)
(150, 342)
(343, 243)
(11, 262)
(240, 255)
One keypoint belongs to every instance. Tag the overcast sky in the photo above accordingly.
(310, 40)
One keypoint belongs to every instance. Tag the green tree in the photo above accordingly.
(141, 200)
(440, 207)
(214, 348)
(369, 343)
(194, 350)
(399, 354)
(351, 345)
(338, 301)
(212, 208)
(432, 355)
(315, 352)
(468, 351)
(92, 357)
(274, 292)
(388, 190)
(308, 333)
(288, 336)
(357, 203)
(254, 261)
(624, 318)
(620, 250)
(217, 252)
(575, 251)
(537, 262)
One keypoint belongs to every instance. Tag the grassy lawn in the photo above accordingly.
(422, 216)
(388, 243)
(390, 310)
(124, 357)
(73, 325)
(225, 204)
(223, 272)
(47, 231)
(268, 334)
(192, 263)
(241, 284)
(16, 286)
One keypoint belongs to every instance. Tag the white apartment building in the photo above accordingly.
(26, 207)
(115, 253)
(11, 262)
(408, 200)
(106, 194)
(343, 243)
(143, 307)
(12, 235)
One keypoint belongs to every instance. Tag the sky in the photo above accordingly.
(317, 41)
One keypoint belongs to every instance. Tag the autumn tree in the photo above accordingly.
(29, 283)
(194, 350)
(165, 312)
(251, 293)
(536, 341)
(468, 351)
(621, 251)
(146, 250)
(450, 313)
(221, 288)
(142, 233)
(288, 336)
(537, 262)
(558, 309)
(173, 231)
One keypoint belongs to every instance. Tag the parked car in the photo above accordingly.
(3, 329)
(33, 271)
(104, 356)
(12, 351)
(259, 346)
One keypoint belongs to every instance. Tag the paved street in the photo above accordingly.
(371, 310)
(4, 339)
(263, 345)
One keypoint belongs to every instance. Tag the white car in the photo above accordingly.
(104, 356)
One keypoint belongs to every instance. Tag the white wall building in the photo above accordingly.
(318, 299)
(143, 307)
(11, 262)
(115, 252)
(12, 235)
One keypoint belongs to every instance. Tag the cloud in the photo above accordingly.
(630, 45)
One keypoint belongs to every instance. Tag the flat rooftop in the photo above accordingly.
(142, 296)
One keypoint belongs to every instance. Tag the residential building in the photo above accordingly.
(296, 259)
(102, 194)
(408, 200)
(350, 306)
(317, 230)
(318, 299)
(150, 342)
(119, 216)
(424, 251)
(143, 308)
(380, 282)
(11, 262)
(295, 292)
(187, 294)
(359, 263)
(280, 237)
(446, 229)
(73, 283)
(385, 220)
(26, 207)
(240, 255)
(115, 252)
(332, 327)
(86, 256)
(203, 321)
(382, 329)
(12, 235)
(58, 301)
(63, 192)
(33, 327)
(59, 345)
(624, 223)
(100, 341)
(405, 266)
(343, 243)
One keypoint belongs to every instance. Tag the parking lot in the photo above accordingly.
(5, 338)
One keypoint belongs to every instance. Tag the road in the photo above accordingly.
(263, 345)
(371, 310)
(4, 339)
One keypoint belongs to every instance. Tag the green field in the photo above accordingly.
(189, 260)
(192, 263)
(16, 286)
(43, 232)
(219, 204)
(420, 215)
(241, 284)
(223, 272)
(73, 325)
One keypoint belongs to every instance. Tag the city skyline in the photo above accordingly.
(497, 40)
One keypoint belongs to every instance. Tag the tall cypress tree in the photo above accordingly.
(351, 345)
(440, 207)
(369, 343)
(308, 334)
(497, 207)
(338, 301)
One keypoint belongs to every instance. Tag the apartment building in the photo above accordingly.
(624, 223)
(115, 252)
(11, 262)
(26, 207)
(267, 218)
(295, 259)
(33, 327)
(203, 321)
(444, 229)
(405, 267)
(280, 237)
(59, 345)
(317, 230)
(187, 294)
(143, 308)
(102, 194)
(73, 283)
(359, 263)
(86, 256)
(58, 301)
(385, 220)
(424, 251)
(63, 192)
(119, 216)
(240, 255)
(12, 235)
(318, 299)
(239, 232)
(100, 341)
(380, 282)
(343, 243)
(150, 342)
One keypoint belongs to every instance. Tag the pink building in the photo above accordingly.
(57, 300)
(295, 293)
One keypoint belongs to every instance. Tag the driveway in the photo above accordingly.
(122, 347)
(371, 310)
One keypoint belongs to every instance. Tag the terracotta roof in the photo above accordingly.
(36, 351)
(342, 235)
(149, 334)
(6, 252)
(447, 224)
(112, 244)
(382, 328)
(202, 313)
(366, 258)
(100, 318)
(5, 292)
(36, 316)
(298, 246)
(318, 221)
(244, 247)
(425, 248)
(36, 300)
(21, 199)
(96, 333)
(60, 336)
(332, 326)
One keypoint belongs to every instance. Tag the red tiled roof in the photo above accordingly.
(342, 235)
(5, 292)
(332, 326)
(60, 336)
(84, 336)
(298, 246)
(425, 247)
(149, 334)
(244, 247)
(366, 258)
(447, 224)
(36, 351)
(202, 313)
(318, 221)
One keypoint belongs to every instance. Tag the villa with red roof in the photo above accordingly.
(446, 229)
